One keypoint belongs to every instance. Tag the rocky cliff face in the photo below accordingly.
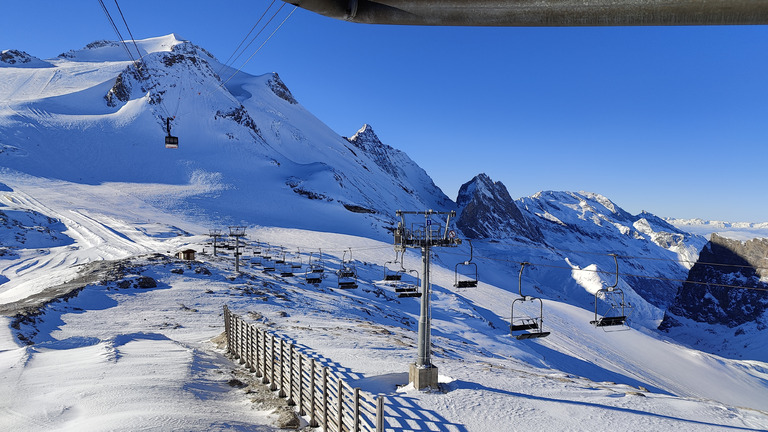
(733, 263)
(488, 212)
(407, 175)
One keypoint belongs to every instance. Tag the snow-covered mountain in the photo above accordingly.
(727, 290)
(86, 179)
(93, 117)
(582, 230)
(488, 212)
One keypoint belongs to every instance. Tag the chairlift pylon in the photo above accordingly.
(523, 326)
(466, 282)
(171, 142)
(613, 296)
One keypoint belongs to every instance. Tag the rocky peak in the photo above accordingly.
(16, 58)
(725, 262)
(279, 88)
(488, 211)
(366, 140)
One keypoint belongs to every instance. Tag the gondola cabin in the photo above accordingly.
(171, 142)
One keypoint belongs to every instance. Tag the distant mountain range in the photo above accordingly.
(250, 153)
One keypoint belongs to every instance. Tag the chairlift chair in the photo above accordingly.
(312, 277)
(171, 142)
(461, 280)
(266, 260)
(296, 265)
(524, 326)
(393, 276)
(316, 266)
(347, 274)
(286, 269)
(280, 258)
(615, 316)
(405, 289)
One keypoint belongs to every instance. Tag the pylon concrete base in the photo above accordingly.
(423, 376)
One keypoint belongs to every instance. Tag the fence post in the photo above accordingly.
(291, 402)
(340, 407)
(263, 347)
(238, 342)
(227, 330)
(380, 414)
(301, 384)
(248, 347)
(254, 350)
(356, 417)
(282, 366)
(272, 385)
(257, 340)
(312, 420)
(325, 398)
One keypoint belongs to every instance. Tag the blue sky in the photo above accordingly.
(672, 120)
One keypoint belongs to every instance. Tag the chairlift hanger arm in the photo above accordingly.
(529, 13)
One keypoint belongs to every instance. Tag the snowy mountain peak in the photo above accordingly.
(487, 211)
(280, 89)
(16, 58)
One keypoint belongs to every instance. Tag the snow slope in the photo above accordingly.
(93, 205)
(116, 334)
(244, 140)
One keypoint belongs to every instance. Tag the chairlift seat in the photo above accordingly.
(346, 274)
(405, 289)
(524, 336)
(313, 280)
(409, 294)
(286, 274)
(269, 268)
(392, 277)
(318, 270)
(347, 285)
(525, 326)
(466, 284)
(609, 321)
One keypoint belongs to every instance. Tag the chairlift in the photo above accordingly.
(296, 265)
(461, 280)
(171, 142)
(281, 257)
(286, 269)
(393, 276)
(405, 289)
(347, 274)
(613, 296)
(524, 326)
(312, 277)
(316, 266)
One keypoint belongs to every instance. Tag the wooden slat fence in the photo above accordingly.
(316, 391)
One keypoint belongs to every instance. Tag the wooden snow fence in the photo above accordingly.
(316, 391)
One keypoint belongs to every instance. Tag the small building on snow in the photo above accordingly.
(186, 254)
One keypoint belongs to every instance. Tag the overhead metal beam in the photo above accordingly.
(555, 13)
